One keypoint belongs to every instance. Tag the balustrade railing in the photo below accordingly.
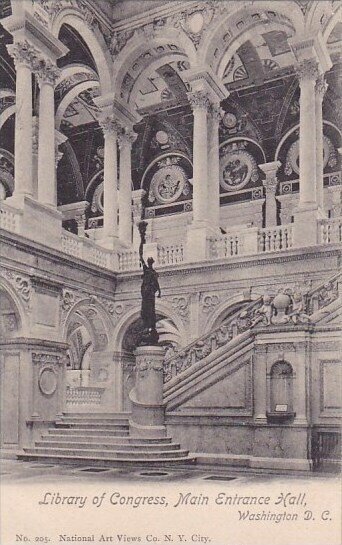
(84, 395)
(10, 218)
(225, 246)
(170, 254)
(273, 239)
(128, 260)
(240, 322)
(330, 231)
(87, 250)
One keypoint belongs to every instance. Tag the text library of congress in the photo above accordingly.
(171, 226)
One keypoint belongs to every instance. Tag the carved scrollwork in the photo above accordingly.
(209, 302)
(21, 285)
(181, 305)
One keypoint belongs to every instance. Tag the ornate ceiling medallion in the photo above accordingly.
(169, 182)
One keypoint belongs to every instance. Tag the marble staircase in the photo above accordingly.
(103, 439)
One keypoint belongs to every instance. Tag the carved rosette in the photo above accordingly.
(307, 70)
(199, 100)
(23, 53)
(321, 87)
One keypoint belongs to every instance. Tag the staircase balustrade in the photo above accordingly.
(323, 295)
(170, 254)
(86, 249)
(128, 260)
(205, 345)
(225, 246)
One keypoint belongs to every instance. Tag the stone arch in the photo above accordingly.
(101, 322)
(234, 25)
(229, 305)
(69, 97)
(332, 22)
(293, 129)
(93, 39)
(317, 15)
(137, 47)
(134, 313)
(22, 321)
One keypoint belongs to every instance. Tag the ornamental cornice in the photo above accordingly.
(307, 70)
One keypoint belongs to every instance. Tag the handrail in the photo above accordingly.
(322, 295)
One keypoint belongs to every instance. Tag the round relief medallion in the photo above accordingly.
(237, 168)
(47, 381)
(167, 184)
(292, 157)
(162, 137)
(229, 120)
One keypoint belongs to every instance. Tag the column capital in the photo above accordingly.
(23, 53)
(47, 72)
(321, 86)
(110, 125)
(312, 47)
(126, 137)
(204, 79)
(216, 112)
(307, 70)
(199, 100)
(270, 169)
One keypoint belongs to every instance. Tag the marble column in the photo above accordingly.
(200, 104)
(307, 73)
(47, 188)
(270, 184)
(215, 115)
(25, 59)
(111, 129)
(320, 89)
(126, 140)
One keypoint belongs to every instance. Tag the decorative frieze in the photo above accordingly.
(146, 364)
(46, 358)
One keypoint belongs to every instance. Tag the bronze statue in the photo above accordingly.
(149, 288)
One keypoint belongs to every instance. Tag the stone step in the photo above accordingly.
(96, 415)
(44, 443)
(112, 454)
(109, 462)
(89, 431)
(91, 421)
(91, 426)
(55, 435)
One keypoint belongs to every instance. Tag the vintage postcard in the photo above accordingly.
(170, 275)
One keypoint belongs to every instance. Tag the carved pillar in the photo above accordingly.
(110, 129)
(126, 140)
(320, 89)
(25, 59)
(47, 187)
(270, 184)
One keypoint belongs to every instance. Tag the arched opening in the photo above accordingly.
(281, 401)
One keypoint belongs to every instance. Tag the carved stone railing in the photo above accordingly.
(10, 218)
(228, 245)
(273, 239)
(240, 322)
(128, 260)
(330, 231)
(84, 395)
(170, 254)
(86, 249)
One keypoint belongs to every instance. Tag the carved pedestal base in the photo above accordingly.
(148, 418)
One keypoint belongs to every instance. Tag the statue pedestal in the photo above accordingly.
(148, 416)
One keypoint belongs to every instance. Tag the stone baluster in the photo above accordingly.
(320, 89)
(47, 188)
(25, 59)
(111, 129)
(126, 140)
(270, 184)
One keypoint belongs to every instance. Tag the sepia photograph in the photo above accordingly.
(170, 272)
